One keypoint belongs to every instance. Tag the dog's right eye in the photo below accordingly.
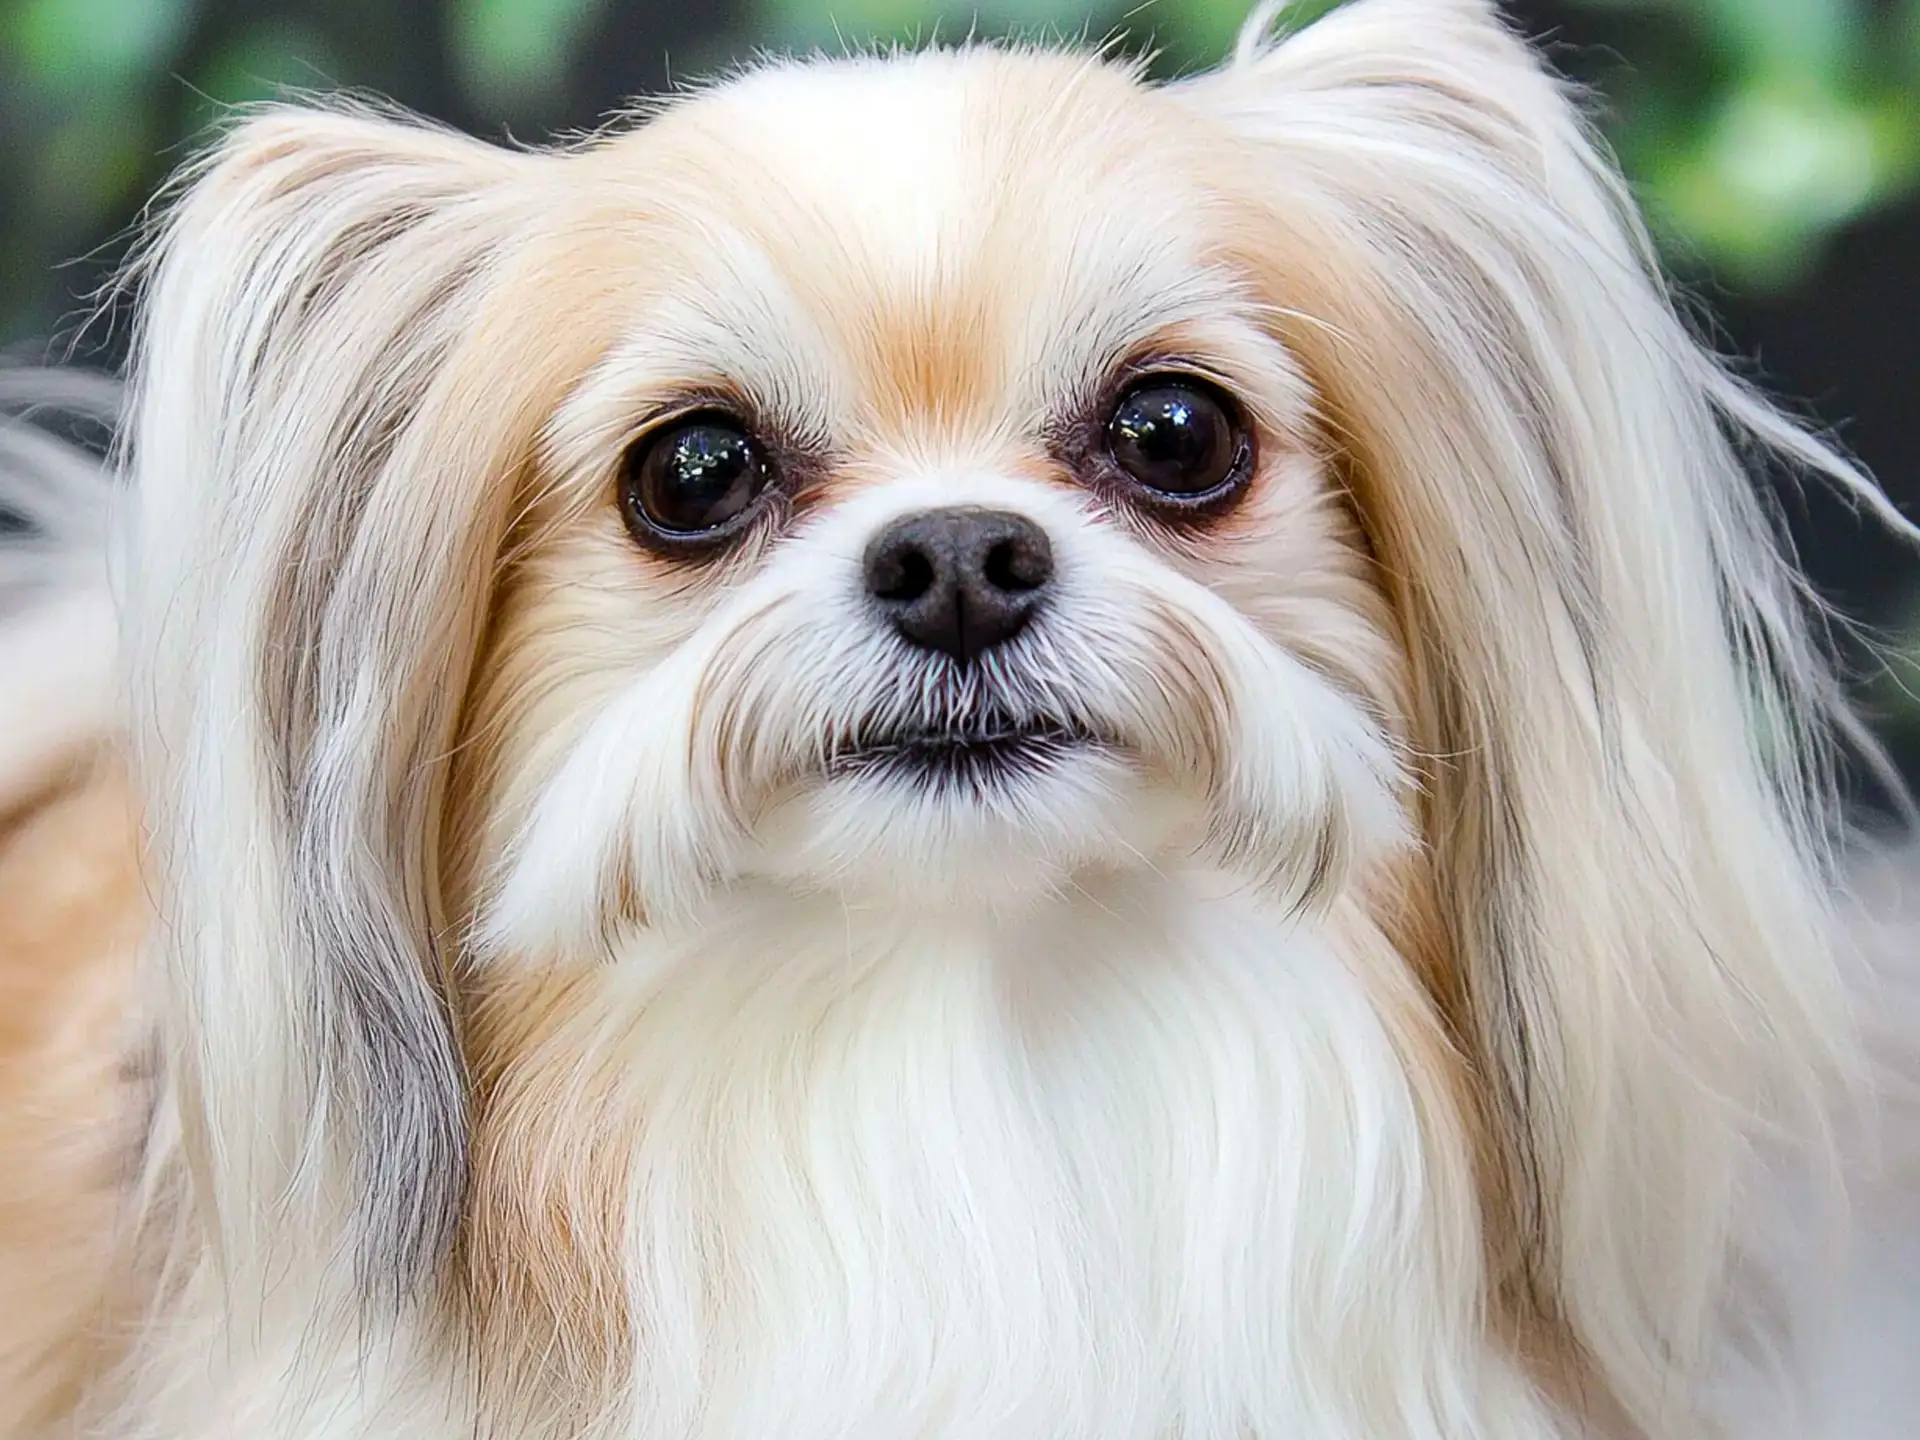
(693, 482)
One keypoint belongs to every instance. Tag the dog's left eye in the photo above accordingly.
(1179, 440)
(692, 482)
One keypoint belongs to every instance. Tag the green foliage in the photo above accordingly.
(93, 44)
(266, 59)
(514, 52)
(1766, 124)
(1754, 128)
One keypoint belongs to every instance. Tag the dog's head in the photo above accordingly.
(930, 524)
(932, 480)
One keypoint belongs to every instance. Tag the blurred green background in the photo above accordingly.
(1755, 128)
(1776, 144)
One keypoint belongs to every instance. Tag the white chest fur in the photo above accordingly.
(1149, 1162)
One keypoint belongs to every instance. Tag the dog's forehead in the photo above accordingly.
(898, 156)
(919, 154)
(944, 224)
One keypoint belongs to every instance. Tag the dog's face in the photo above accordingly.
(943, 517)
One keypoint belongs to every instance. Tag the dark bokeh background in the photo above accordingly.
(1776, 144)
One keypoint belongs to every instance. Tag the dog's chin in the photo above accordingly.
(998, 817)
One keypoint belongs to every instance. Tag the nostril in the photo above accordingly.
(1018, 563)
(900, 572)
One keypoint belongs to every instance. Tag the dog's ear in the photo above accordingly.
(1628, 726)
(321, 444)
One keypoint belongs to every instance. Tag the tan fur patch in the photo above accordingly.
(544, 1243)
(72, 909)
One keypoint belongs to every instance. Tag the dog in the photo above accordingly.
(941, 746)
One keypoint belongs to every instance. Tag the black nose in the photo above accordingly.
(960, 580)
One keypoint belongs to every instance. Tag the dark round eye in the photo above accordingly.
(1178, 438)
(690, 480)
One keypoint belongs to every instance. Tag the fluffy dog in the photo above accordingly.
(942, 746)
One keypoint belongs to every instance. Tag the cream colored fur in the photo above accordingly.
(1402, 1023)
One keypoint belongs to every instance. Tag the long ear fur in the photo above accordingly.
(53, 494)
(1629, 793)
(319, 500)
(56, 616)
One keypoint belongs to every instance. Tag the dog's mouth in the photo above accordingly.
(988, 751)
